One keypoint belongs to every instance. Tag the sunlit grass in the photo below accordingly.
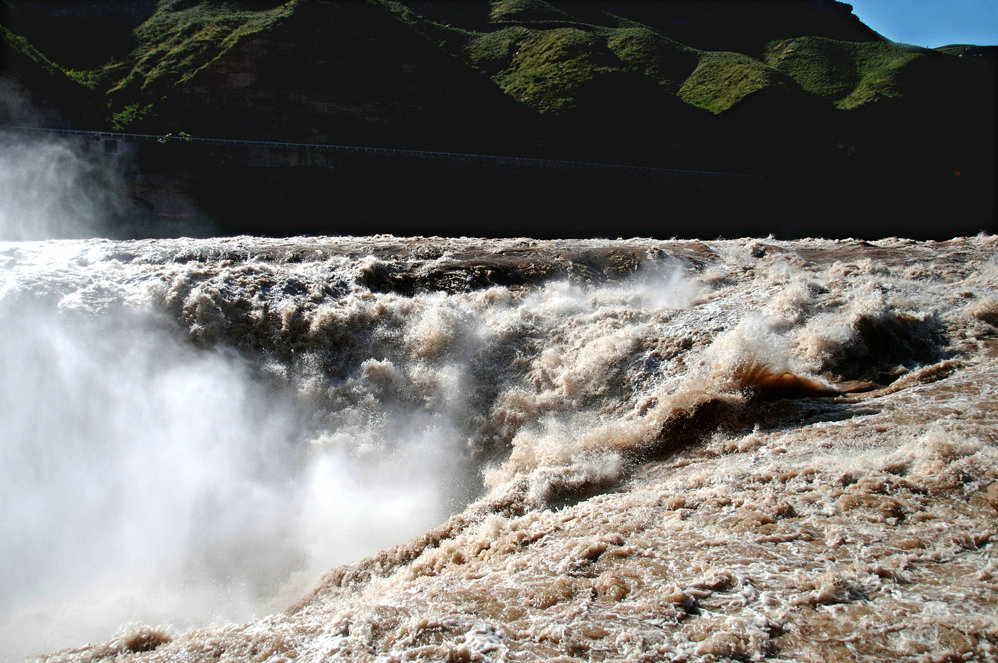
(648, 52)
(542, 54)
(849, 74)
(177, 41)
(550, 65)
(21, 45)
(721, 80)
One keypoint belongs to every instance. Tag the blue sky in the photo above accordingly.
(931, 23)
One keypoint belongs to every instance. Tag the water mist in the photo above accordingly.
(147, 480)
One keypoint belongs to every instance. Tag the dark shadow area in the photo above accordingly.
(367, 195)
(692, 428)
(78, 35)
(886, 345)
(915, 158)
(689, 429)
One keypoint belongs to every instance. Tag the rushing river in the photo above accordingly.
(194, 431)
(396, 449)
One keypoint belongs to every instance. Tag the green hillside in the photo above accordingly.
(174, 45)
(545, 54)
(553, 58)
(797, 91)
(847, 74)
(47, 87)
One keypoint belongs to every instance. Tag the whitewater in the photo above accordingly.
(396, 449)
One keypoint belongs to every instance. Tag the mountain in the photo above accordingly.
(799, 92)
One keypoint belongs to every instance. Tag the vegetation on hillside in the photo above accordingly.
(550, 66)
(798, 91)
(169, 47)
(847, 74)
(524, 11)
(654, 55)
(47, 80)
(553, 58)
(721, 80)
(544, 54)
(177, 42)
(18, 44)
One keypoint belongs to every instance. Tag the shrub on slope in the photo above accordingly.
(848, 74)
(177, 41)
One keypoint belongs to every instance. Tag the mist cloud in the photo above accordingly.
(145, 480)
(51, 189)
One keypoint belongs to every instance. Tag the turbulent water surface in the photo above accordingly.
(498, 450)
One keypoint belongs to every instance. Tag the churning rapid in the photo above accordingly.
(398, 449)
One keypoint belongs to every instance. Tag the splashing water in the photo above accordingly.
(194, 430)
(604, 449)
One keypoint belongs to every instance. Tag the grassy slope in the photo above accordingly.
(51, 83)
(981, 54)
(550, 66)
(722, 80)
(567, 79)
(555, 58)
(845, 73)
(542, 55)
(174, 44)
(16, 44)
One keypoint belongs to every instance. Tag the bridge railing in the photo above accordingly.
(408, 153)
